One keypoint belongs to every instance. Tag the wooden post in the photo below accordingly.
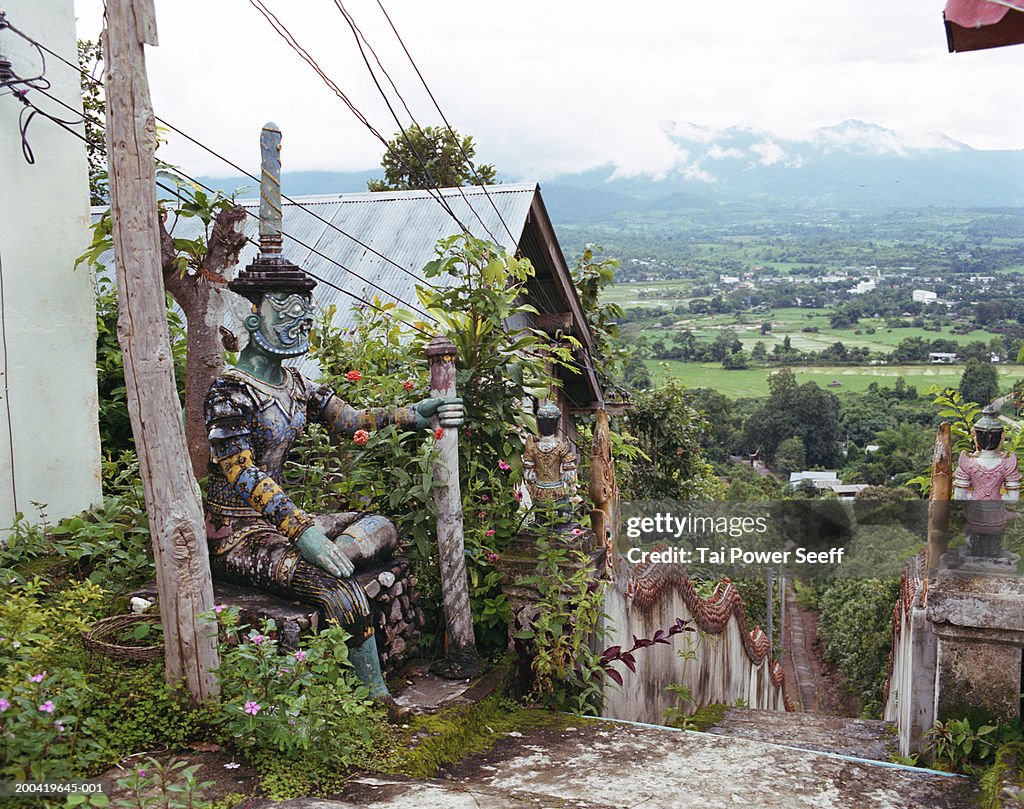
(938, 499)
(176, 523)
(770, 618)
(462, 659)
(604, 494)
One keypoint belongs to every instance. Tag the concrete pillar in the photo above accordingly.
(49, 439)
(979, 621)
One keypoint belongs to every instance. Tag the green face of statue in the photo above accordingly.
(282, 324)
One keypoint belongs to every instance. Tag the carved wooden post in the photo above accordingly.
(462, 659)
(939, 497)
(172, 495)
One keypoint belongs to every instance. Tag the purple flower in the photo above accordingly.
(59, 725)
(142, 773)
(220, 608)
(252, 708)
(257, 639)
(4, 704)
(37, 678)
(300, 656)
(47, 707)
(504, 467)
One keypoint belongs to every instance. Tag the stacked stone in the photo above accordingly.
(396, 611)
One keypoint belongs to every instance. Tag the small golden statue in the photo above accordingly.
(549, 465)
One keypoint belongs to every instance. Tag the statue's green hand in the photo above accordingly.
(449, 412)
(318, 550)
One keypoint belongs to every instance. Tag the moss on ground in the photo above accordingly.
(706, 717)
(436, 740)
(1008, 769)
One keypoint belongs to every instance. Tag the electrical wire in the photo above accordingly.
(444, 118)
(7, 388)
(282, 30)
(358, 34)
(85, 74)
(322, 280)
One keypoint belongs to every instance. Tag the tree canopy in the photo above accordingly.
(429, 157)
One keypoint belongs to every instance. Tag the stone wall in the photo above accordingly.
(729, 663)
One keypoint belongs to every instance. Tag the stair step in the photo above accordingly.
(862, 738)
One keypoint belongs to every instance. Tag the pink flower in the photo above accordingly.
(300, 656)
(142, 773)
(439, 433)
(489, 532)
(353, 376)
(4, 704)
(47, 707)
(257, 639)
(481, 514)
(361, 437)
(493, 558)
(408, 384)
(504, 467)
(37, 678)
(485, 497)
(59, 725)
(219, 608)
(518, 495)
(252, 708)
(576, 532)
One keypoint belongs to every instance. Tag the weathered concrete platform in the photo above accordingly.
(861, 738)
(606, 765)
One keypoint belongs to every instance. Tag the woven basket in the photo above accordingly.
(96, 638)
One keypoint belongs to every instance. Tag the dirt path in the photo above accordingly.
(810, 681)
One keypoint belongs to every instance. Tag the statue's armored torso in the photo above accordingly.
(243, 411)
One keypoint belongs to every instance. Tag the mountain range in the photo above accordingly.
(848, 166)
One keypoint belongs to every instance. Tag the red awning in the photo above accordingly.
(973, 25)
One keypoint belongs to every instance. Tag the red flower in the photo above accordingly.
(354, 376)
(408, 384)
(439, 433)
(361, 437)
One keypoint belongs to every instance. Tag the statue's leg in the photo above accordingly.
(367, 540)
(252, 552)
(343, 601)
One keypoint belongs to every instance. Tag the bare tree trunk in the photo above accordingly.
(201, 296)
(461, 643)
(172, 496)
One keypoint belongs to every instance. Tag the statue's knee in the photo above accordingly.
(370, 540)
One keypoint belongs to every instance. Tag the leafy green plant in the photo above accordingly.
(566, 670)
(173, 785)
(679, 715)
(303, 706)
(959, 747)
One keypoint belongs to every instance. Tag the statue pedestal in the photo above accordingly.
(979, 621)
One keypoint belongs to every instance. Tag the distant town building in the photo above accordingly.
(923, 296)
(941, 358)
(862, 287)
(824, 479)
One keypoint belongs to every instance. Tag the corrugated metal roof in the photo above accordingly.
(401, 227)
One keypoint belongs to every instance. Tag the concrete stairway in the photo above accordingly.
(610, 765)
(861, 738)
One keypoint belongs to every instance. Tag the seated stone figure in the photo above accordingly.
(257, 535)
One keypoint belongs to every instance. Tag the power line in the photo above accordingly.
(358, 34)
(85, 74)
(282, 31)
(451, 131)
(325, 281)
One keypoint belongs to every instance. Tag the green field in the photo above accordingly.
(754, 381)
(785, 323)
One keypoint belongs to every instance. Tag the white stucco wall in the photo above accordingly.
(720, 672)
(49, 441)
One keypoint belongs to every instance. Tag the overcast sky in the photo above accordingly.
(561, 85)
